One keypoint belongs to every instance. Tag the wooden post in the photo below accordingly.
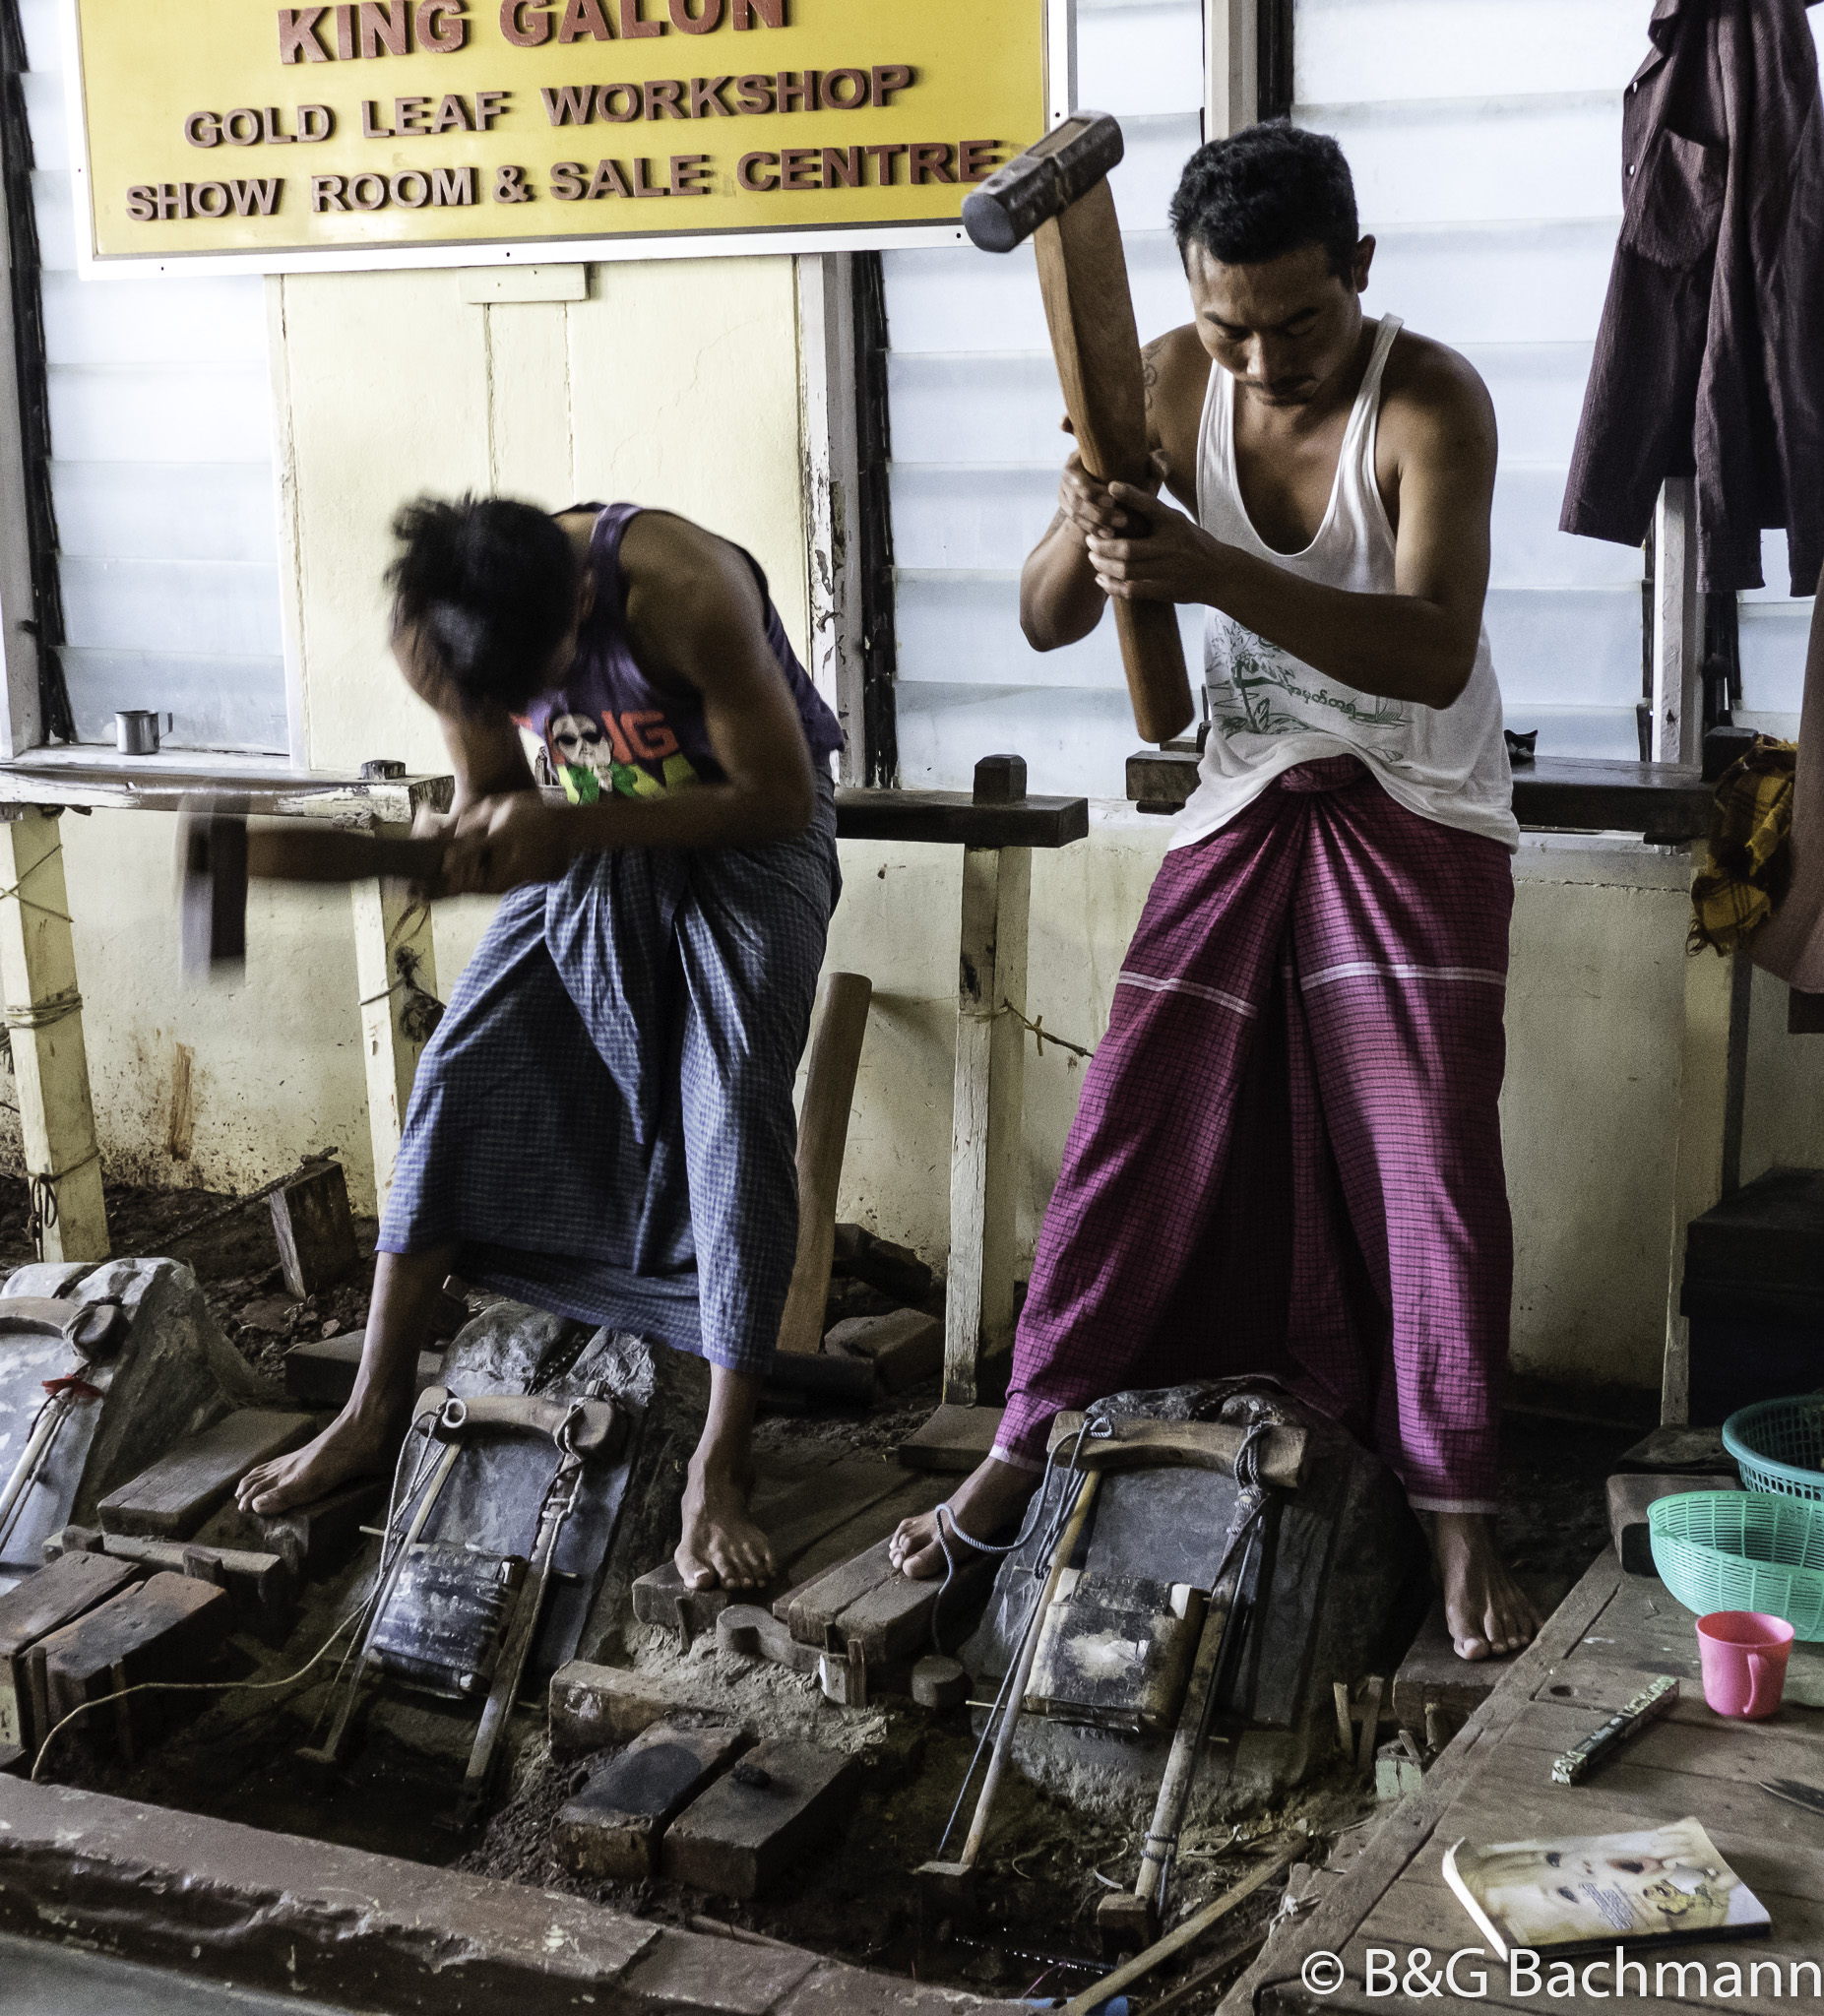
(1713, 1069)
(833, 486)
(823, 1135)
(989, 1119)
(44, 1024)
(396, 967)
(1678, 628)
(1232, 64)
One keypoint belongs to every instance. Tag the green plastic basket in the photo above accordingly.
(1742, 1551)
(1779, 1445)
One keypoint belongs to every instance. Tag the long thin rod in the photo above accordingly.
(1028, 1652)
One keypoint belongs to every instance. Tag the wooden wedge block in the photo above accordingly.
(43, 1603)
(310, 1538)
(892, 1621)
(903, 1347)
(916, 1493)
(169, 1627)
(321, 1374)
(172, 1499)
(613, 1827)
(744, 1834)
(954, 1440)
(260, 1584)
(315, 1232)
(593, 1706)
(811, 1609)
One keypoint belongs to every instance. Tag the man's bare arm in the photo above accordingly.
(695, 618)
(1417, 644)
(1060, 600)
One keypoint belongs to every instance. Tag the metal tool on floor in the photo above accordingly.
(92, 1330)
(1796, 1793)
(952, 1884)
(1133, 1917)
(455, 1618)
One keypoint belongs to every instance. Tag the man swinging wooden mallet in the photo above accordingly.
(1286, 1155)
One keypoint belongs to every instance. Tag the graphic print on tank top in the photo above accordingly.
(610, 729)
(1256, 688)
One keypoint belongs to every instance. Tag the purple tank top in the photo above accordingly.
(607, 727)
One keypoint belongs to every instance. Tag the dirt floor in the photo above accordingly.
(1045, 1866)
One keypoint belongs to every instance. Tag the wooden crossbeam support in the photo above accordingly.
(44, 1025)
(988, 1114)
(396, 968)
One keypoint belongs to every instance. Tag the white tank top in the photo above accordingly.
(1270, 710)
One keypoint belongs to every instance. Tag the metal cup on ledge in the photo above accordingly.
(136, 731)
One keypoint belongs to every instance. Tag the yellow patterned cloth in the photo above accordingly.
(1750, 848)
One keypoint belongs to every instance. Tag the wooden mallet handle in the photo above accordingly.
(1057, 193)
(218, 854)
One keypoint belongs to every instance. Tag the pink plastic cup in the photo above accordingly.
(1743, 1655)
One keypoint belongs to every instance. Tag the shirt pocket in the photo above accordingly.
(1675, 208)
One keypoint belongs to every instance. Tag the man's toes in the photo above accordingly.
(695, 1573)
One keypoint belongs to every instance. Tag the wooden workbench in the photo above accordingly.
(997, 826)
(1493, 1784)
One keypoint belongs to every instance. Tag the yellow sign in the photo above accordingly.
(408, 127)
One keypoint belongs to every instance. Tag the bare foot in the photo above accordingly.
(352, 1445)
(1488, 1612)
(721, 1546)
(992, 1498)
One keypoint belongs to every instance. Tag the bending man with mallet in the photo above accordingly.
(1286, 1158)
(603, 1123)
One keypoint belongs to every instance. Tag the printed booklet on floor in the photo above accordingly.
(1660, 1885)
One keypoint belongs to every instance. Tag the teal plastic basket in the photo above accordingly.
(1779, 1445)
(1742, 1551)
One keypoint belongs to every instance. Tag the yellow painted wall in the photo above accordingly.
(677, 383)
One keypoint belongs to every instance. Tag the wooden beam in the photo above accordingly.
(396, 968)
(44, 1024)
(956, 819)
(1232, 67)
(832, 484)
(1712, 1068)
(1677, 627)
(19, 724)
(1554, 794)
(988, 1114)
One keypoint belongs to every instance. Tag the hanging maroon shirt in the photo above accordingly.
(1710, 358)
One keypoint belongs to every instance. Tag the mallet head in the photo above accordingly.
(212, 868)
(1048, 178)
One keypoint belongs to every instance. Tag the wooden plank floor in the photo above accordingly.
(1493, 1784)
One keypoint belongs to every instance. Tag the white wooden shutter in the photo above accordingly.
(974, 412)
(161, 471)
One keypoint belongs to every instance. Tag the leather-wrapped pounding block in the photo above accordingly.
(1337, 1589)
(174, 1374)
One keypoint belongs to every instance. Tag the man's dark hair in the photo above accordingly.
(1267, 190)
(492, 586)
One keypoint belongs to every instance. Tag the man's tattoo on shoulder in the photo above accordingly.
(1148, 365)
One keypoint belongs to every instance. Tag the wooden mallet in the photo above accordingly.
(1056, 193)
(218, 854)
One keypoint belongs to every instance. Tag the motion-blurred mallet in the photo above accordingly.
(1056, 193)
(218, 855)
